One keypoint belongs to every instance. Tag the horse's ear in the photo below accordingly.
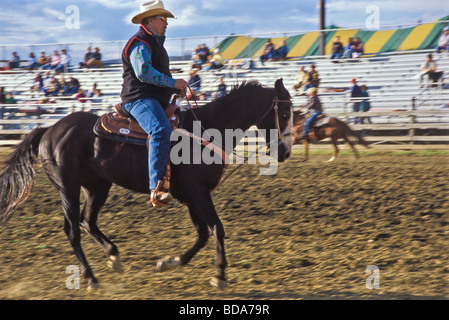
(279, 87)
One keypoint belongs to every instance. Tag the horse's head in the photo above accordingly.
(279, 117)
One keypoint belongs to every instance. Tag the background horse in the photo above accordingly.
(334, 129)
(76, 159)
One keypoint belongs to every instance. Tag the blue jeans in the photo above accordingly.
(152, 119)
(439, 49)
(309, 121)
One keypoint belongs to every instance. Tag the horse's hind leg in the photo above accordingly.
(95, 195)
(336, 150)
(71, 206)
(356, 153)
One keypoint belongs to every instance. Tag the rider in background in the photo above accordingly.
(314, 104)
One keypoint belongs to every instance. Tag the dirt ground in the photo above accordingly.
(310, 232)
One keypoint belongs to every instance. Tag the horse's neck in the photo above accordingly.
(240, 115)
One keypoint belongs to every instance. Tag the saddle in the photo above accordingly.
(320, 121)
(121, 126)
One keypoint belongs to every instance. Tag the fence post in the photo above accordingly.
(412, 121)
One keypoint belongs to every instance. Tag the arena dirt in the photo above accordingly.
(310, 232)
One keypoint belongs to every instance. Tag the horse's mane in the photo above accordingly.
(236, 91)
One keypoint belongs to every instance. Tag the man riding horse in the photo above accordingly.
(147, 88)
(314, 104)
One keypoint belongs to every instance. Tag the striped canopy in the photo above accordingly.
(424, 36)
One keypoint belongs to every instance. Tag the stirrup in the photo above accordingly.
(161, 195)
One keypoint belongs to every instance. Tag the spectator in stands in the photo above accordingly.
(91, 91)
(194, 81)
(221, 90)
(429, 68)
(443, 41)
(356, 93)
(268, 53)
(10, 99)
(42, 61)
(96, 98)
(337, 48)
(64, 63)
(87, 57)
(365, 104)
(357, 48)
(301, 81)
(348, 48)
(51, 87)
(95, 59)
(80, 96)
(203, 53)
(71, 87)
(282, 51)
(313, 80)
(14, 62)
(38, 84)
(32, 62)
(55, 61)
(217, 61)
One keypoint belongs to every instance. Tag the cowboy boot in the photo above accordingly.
(161, 195)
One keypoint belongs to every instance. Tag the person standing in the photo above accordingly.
(147, 88)
(356, 94)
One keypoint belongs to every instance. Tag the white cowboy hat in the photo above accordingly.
(151, 9)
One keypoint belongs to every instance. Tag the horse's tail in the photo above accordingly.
(356, 135)
(18, 178)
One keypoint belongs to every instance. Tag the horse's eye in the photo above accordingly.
(286, 115)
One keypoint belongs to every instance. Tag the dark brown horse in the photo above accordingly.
(76, 159)
(334, 129)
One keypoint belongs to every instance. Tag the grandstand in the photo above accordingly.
(400, 104)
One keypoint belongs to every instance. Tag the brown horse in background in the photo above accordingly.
(334, 129)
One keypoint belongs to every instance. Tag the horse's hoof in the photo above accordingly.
(218, 283)
(92, 286)
(331, 159)
(168, 263)
(115, 264)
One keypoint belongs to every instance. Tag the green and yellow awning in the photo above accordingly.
(424, 36)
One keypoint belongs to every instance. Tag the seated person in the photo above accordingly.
(268, 53)
(32, 62)
(337, 48)
(194, 81)
(95, 59)
(43, 60)
(217, 61)
(282, 51)
(15, 61)
(443, 41)
(357, 48)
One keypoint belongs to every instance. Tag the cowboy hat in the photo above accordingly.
(151, 9)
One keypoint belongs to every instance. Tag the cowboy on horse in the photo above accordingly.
(147, 88)
(314, 104)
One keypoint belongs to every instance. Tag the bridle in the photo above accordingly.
(274, 106)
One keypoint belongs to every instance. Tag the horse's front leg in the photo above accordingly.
(205, 218)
